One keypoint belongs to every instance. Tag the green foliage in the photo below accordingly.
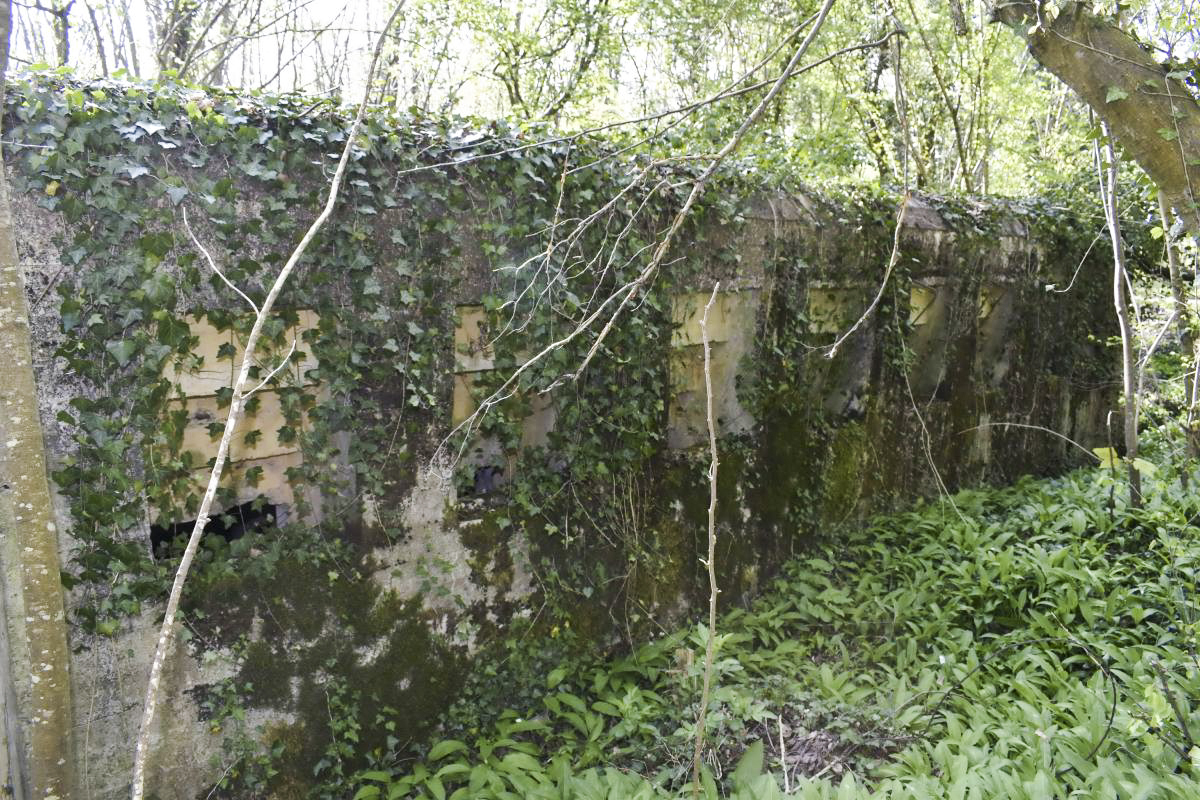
(429, 206)
(975, 116)
(1032, 642)
(121, 162)
(249, 765)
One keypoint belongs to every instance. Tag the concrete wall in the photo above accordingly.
(814, 441)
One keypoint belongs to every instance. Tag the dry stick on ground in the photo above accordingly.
(630, 289)
(166, 634)
(1107, 175)
(787, 788)
(710, 646)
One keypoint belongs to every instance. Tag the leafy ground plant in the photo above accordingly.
(1038, 642)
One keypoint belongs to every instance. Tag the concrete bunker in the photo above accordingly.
(427, 569)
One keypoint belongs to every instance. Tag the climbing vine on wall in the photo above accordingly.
(537, 230)
(542, 229)
(434, 209)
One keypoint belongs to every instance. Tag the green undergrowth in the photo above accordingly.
(1036, 641)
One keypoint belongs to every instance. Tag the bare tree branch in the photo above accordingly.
(710, 646)
(166, 634)
(629, 290)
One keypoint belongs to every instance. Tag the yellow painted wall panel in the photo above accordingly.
(687, 310)
(471, 353)
(464, 403)
(268, 419)
(832, 310)
(989, 296)
(214, 373)
(920, 303)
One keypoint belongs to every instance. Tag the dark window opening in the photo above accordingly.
(231, 524)
(488, 479)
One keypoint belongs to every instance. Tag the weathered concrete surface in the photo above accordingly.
(35, 621)
(841, 436)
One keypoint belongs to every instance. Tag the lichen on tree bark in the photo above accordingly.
(1152, 115)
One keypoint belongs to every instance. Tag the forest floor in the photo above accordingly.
(1035, 641)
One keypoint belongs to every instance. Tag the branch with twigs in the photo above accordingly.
(566, 243)
(624, 296)
(1106, 169)
(710, 646)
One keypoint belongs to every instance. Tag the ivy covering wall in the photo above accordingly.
(438, 213)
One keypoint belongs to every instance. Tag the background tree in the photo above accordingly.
(981, 116)
(1148, 103)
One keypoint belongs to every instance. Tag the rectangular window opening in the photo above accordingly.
(231, 524)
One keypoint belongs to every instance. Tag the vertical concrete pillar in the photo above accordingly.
(35, 622)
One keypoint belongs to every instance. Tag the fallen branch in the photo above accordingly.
(629, 290)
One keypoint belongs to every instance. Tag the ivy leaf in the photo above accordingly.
(150, 127)
(134, 171)
(1167, 134)
(1115, 93)
(71, 311)
(254, 475)
(122, 351)
(177, 193)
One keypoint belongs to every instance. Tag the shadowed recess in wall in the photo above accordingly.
(232, 524)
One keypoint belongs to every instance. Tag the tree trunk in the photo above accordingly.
(1183, 322)
(1152, 116)
(61, 14)
(1108, 196)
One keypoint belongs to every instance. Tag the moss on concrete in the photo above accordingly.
(319, 625)
(489, 541)
(844, 473)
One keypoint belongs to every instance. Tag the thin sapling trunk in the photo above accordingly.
(1108, 197)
